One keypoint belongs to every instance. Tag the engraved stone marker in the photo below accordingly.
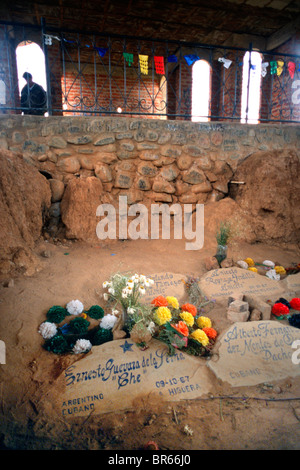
(165, 284)
(221, 283)
(114, 374)
(250, 353)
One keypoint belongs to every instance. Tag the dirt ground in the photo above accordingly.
(263, 417)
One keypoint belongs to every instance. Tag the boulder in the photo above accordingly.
(78, 207)
(270, 194)
(25, 198)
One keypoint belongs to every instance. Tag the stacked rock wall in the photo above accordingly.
(146, 160)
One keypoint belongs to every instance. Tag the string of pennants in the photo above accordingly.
(276, 66)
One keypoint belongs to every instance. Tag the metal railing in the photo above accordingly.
(97, 74)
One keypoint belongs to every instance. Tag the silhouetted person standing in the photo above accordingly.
(33, 97)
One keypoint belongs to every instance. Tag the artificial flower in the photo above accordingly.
(106, 284)
(242, 264)
(203, 322)
(181, 327)
(295, 303)
(160, 301)
(253, 269)
(47, 330)
(200, 336)
(187, 317)
(268, 263)
(108, 321)
(162, 315)
(56, 314)
(210, 332)
(271, 274)
(111, 291)
(142, 290)
(190, 308)
(173, 302)
(249, 261)
(279, 309)
(105, 296)
(81, 346)
(78, 325)
(151, 327)
(130, 310)
(294, 320)
(96, 312)
(280, 270)
(74, 307)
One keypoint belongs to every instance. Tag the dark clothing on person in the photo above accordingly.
(34, 99)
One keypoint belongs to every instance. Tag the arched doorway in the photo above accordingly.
(30, 58)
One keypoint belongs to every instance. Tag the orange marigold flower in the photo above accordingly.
(190, 308)
(181, 327)
(160, 301)
(210, 332)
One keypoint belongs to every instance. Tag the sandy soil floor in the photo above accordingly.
(268, 419)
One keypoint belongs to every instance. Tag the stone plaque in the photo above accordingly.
(249, 353)
(166, 284)
(221, 283)
(114, 374)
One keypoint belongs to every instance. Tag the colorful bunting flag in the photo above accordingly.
(264, 66)
(172, 58)
(291, 69)
(191, 58)
(280, 65)
(128, 57)
(226, 62)
(159, 65)
(143, 61)
(273, 67)
(101, 51)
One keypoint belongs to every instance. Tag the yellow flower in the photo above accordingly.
(249, 261)
(204, 322)
(280, 270)
(173, 302)
(200, 336)
(187, 318)
(162, 315)
(252, 269)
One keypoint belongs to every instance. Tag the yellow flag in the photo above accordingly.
(280, 65)
(143, 60)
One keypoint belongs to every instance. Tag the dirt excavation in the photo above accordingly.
(43, 264)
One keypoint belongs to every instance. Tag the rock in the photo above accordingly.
(234, 297)
(235, 316)
(81, 198)
(242, 264)
(170, 172)
(143, 183)
(255, 315)
(239, 306)
(271, 194)
(68, 164)
(25, 198)
(147, 169)
(227, 263)
(160, 185)
(211, 263)
(54, 210)
(184, 162)
(204, 187)
(79, 139)
(194, 175)
(123, 180)
(103, 172)
(9, 283)
(57, 189)
(57, 142)
(257, 303)
(46, 254)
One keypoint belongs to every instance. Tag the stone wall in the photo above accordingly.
(147, 160)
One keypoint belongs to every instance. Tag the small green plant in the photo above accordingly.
(224, 233)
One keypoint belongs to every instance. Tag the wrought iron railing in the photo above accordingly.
(97, 74)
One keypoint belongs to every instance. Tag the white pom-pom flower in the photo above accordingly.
(268, 263)
(108, 321)
(47, 330)
(74, 307)
(271, 274)
(242, 264)
(81, 346)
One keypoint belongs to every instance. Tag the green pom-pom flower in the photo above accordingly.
(57, 344)
(56, 314)
(95, 312)
(101, 336)
(78, 325)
